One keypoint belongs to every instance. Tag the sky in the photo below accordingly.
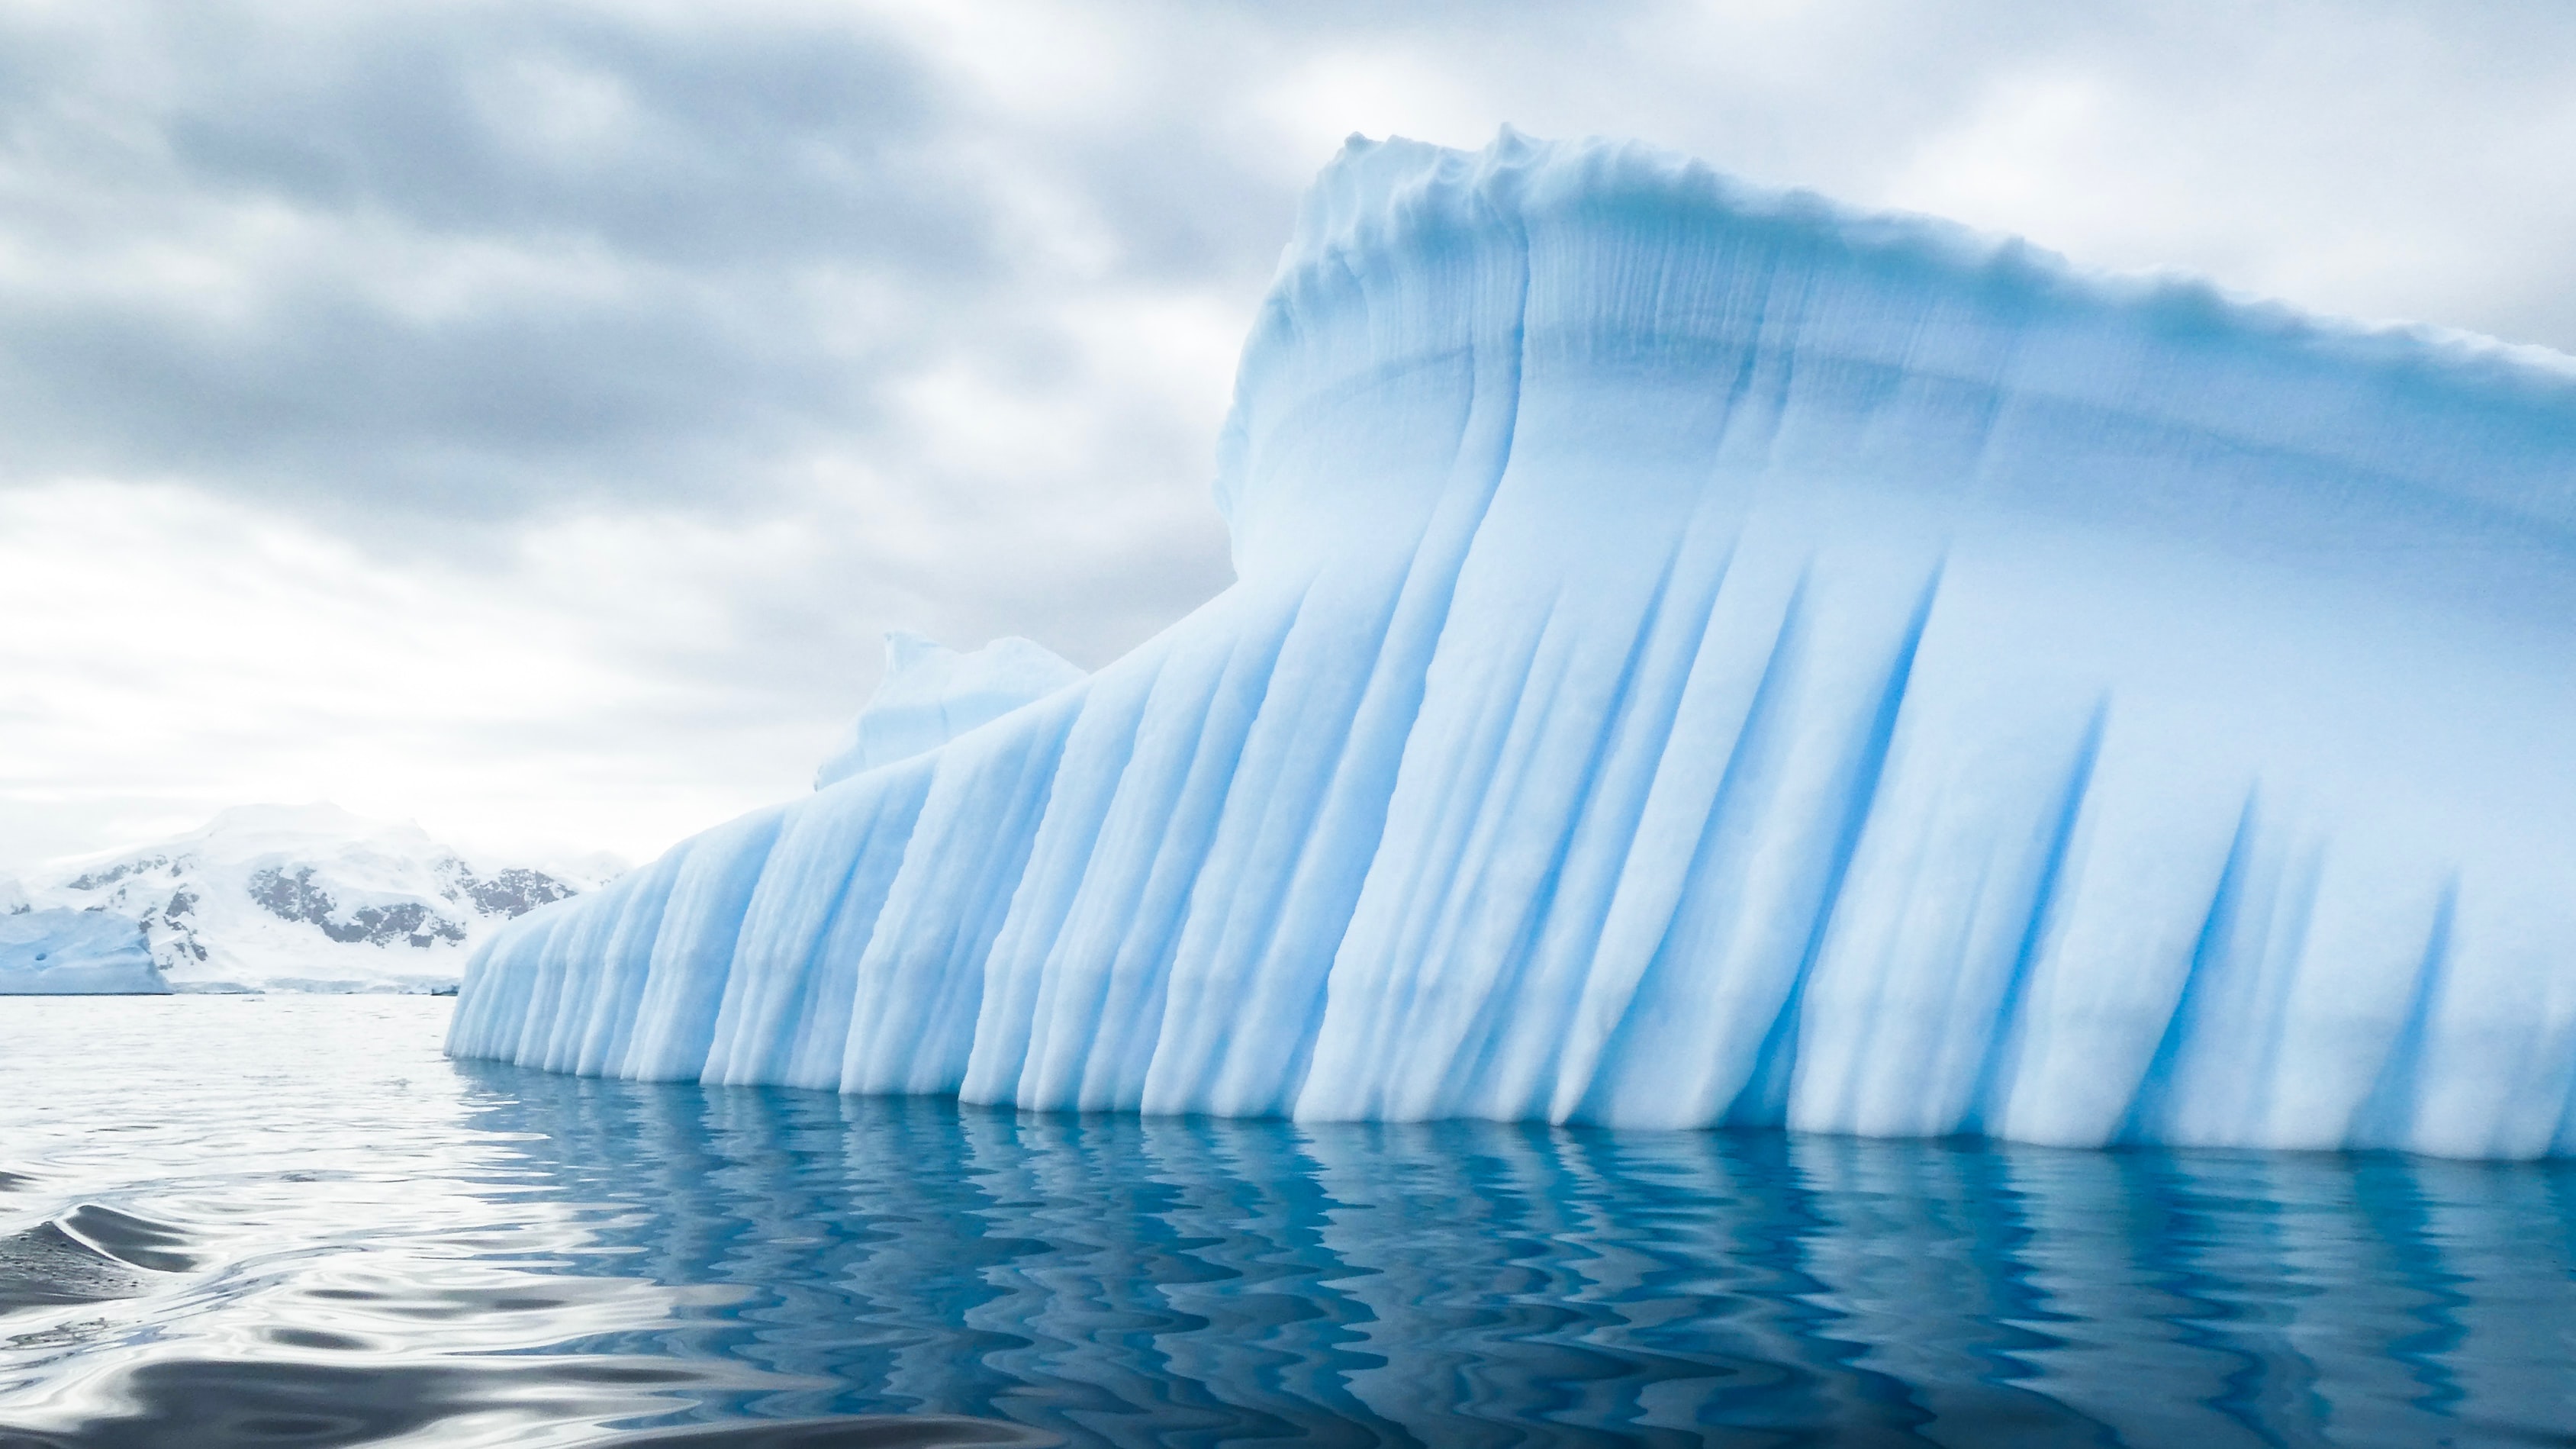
(527, 419)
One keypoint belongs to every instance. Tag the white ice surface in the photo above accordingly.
(1705, 655)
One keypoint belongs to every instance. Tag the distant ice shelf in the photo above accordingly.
(1704, 655)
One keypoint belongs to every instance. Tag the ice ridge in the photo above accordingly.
(1703, 655)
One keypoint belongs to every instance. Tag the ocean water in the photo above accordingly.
(291, 1221)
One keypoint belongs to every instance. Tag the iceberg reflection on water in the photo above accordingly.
(1129, 1281)
(505, 1256)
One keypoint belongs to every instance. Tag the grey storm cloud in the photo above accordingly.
(636, 219)
(595, 382)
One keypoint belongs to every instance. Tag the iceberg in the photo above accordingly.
(62, 952)
(930, 694)
(1704, 655)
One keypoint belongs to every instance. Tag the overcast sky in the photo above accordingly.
(527, 418)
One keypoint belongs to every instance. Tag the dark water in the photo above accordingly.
(290, 1222)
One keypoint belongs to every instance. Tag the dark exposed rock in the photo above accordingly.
(99, 879)
(513, 892)
(292, 896)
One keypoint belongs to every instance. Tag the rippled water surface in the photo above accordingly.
(290, 1221)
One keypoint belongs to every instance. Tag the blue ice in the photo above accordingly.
(76, 953)
(1705, 655)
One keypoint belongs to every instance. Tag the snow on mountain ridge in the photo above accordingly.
(309, 897)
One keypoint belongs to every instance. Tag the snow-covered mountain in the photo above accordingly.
(305, 898)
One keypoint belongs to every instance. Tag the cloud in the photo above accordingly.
(470, 259)
(564, 397)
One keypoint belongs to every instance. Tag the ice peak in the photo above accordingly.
(907, 651)
(931, 694)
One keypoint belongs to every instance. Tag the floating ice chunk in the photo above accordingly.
(75, 953)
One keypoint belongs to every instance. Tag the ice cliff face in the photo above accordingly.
(75, 953)
(271, 897)
(1701, 655)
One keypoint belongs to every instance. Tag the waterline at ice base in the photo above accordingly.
(1704, 656)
